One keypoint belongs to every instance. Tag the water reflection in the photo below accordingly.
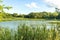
(53, 26)
(15, 24)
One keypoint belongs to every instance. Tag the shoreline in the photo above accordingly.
(16, 19)
(13, 19)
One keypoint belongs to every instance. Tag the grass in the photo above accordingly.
(26, 32)
(15, 19)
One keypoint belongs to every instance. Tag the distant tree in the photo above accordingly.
(55, 14)
(45, 14)
(35, 15)
(14, 14)
(58, 11)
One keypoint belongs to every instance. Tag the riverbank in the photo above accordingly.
(15, 19)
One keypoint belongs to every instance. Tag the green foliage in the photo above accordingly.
(1, 7)
(8, 7)
(34, 15)
(1, 0)
(25, 32)
(14, 14)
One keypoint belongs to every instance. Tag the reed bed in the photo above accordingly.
(25, 32)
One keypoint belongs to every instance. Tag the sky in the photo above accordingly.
(27, 6)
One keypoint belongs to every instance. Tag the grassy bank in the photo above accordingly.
(25, 32)
(13, 19)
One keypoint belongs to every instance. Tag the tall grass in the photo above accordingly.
(25, 32)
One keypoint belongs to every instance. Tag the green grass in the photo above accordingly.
(25, 32)
(18, 18)
(13, 19)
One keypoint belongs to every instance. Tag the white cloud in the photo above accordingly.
(32, 5)
(53, 3)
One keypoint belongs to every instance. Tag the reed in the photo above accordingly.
(25, 32)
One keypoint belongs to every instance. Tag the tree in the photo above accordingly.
(2, 6)
(35, 15)
(14, 14)
(8, 7)
(58, 11)
(55, 14)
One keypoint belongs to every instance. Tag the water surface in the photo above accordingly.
(15, 24)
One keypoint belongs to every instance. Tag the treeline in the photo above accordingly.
(34, 15)
(43, 15)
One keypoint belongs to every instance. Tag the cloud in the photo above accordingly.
(32, 5)
(53, 3)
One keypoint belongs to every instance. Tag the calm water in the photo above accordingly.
(15, 24)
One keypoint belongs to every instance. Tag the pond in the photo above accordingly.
(15, 24)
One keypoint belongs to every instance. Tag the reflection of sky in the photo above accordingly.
(9, 24)
(15, 24)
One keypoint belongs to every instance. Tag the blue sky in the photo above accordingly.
(27, 6)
